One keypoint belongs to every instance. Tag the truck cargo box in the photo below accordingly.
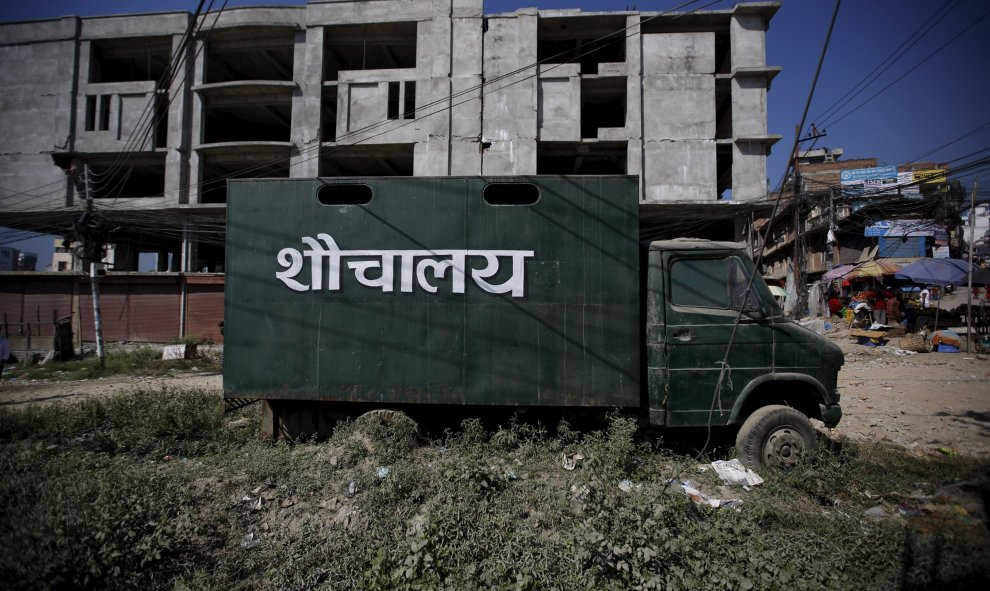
(449, 290)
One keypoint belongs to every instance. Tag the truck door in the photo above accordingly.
(704, 292)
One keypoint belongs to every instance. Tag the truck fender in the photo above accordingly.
(775, 377)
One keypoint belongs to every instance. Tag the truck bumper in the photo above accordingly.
(831, 414)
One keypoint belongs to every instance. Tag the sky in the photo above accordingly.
(931, 59)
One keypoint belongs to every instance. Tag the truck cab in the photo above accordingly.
(719, 351)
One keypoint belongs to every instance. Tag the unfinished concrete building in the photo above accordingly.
(162, 111)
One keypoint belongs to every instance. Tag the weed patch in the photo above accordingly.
(156, 489)
(143, 361)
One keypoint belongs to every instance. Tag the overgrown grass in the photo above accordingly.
(143, 361)
(158, 489)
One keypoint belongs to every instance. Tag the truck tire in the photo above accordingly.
(775, 436)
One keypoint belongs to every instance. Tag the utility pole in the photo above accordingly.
(798, 262)
(92, 248)
(798, 307)
(969, 290)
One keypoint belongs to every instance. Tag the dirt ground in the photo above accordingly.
(929, 402)
(18, 392)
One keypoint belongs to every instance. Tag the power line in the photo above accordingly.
(910, 70)
(926, 26)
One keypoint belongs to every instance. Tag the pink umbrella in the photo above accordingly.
(837, 272)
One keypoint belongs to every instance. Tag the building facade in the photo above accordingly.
(833, 211)
(150, 116)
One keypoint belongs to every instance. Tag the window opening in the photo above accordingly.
(393, 100)
(129, 60)
(603, 104)
(373, 46)
(344, 194)
(718, 283)
(409, 101)
(91, 112)
(329, 117)
(588, 41)
(104, 112)
(511, 194)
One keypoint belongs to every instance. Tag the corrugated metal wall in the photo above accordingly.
(896, 246)
(204, 307)
(134, 308)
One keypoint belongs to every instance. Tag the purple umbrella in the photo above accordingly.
(936, 271)
(837, 272)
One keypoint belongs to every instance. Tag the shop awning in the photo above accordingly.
(874, 268)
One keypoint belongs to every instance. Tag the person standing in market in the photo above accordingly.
(879, 305)
(894, 308)
(834, 304)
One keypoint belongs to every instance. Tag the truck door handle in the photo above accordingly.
(683, 335)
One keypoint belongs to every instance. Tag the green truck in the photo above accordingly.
(424, 294)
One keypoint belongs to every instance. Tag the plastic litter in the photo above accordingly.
(625, 485)
(570, 461)
(700, 498)
(250, 541)
(876, 512)
(733, 472)
(351, 489)
(382, 472)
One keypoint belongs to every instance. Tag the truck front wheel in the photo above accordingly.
(775, 436)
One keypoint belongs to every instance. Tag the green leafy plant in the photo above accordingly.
(159, 489)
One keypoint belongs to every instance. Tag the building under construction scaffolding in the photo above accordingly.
(151, 116)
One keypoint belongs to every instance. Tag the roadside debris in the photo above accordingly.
(733, 472)
(250, 541)
(700, 498)
(570, 461)
(875, 512)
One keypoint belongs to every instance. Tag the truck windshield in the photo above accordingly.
(712, 283)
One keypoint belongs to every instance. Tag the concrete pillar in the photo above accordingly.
(195, 130)
(176, 163)
(433, 70)
(307, 103)
(747, 39)
(466, 77)
(634, 99)
(509, 117)
(679, 117)
(749, 106)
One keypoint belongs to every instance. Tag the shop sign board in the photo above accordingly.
(907, 227)
(859, 182)
(886, 180)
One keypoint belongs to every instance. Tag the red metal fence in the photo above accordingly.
(134, 308)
